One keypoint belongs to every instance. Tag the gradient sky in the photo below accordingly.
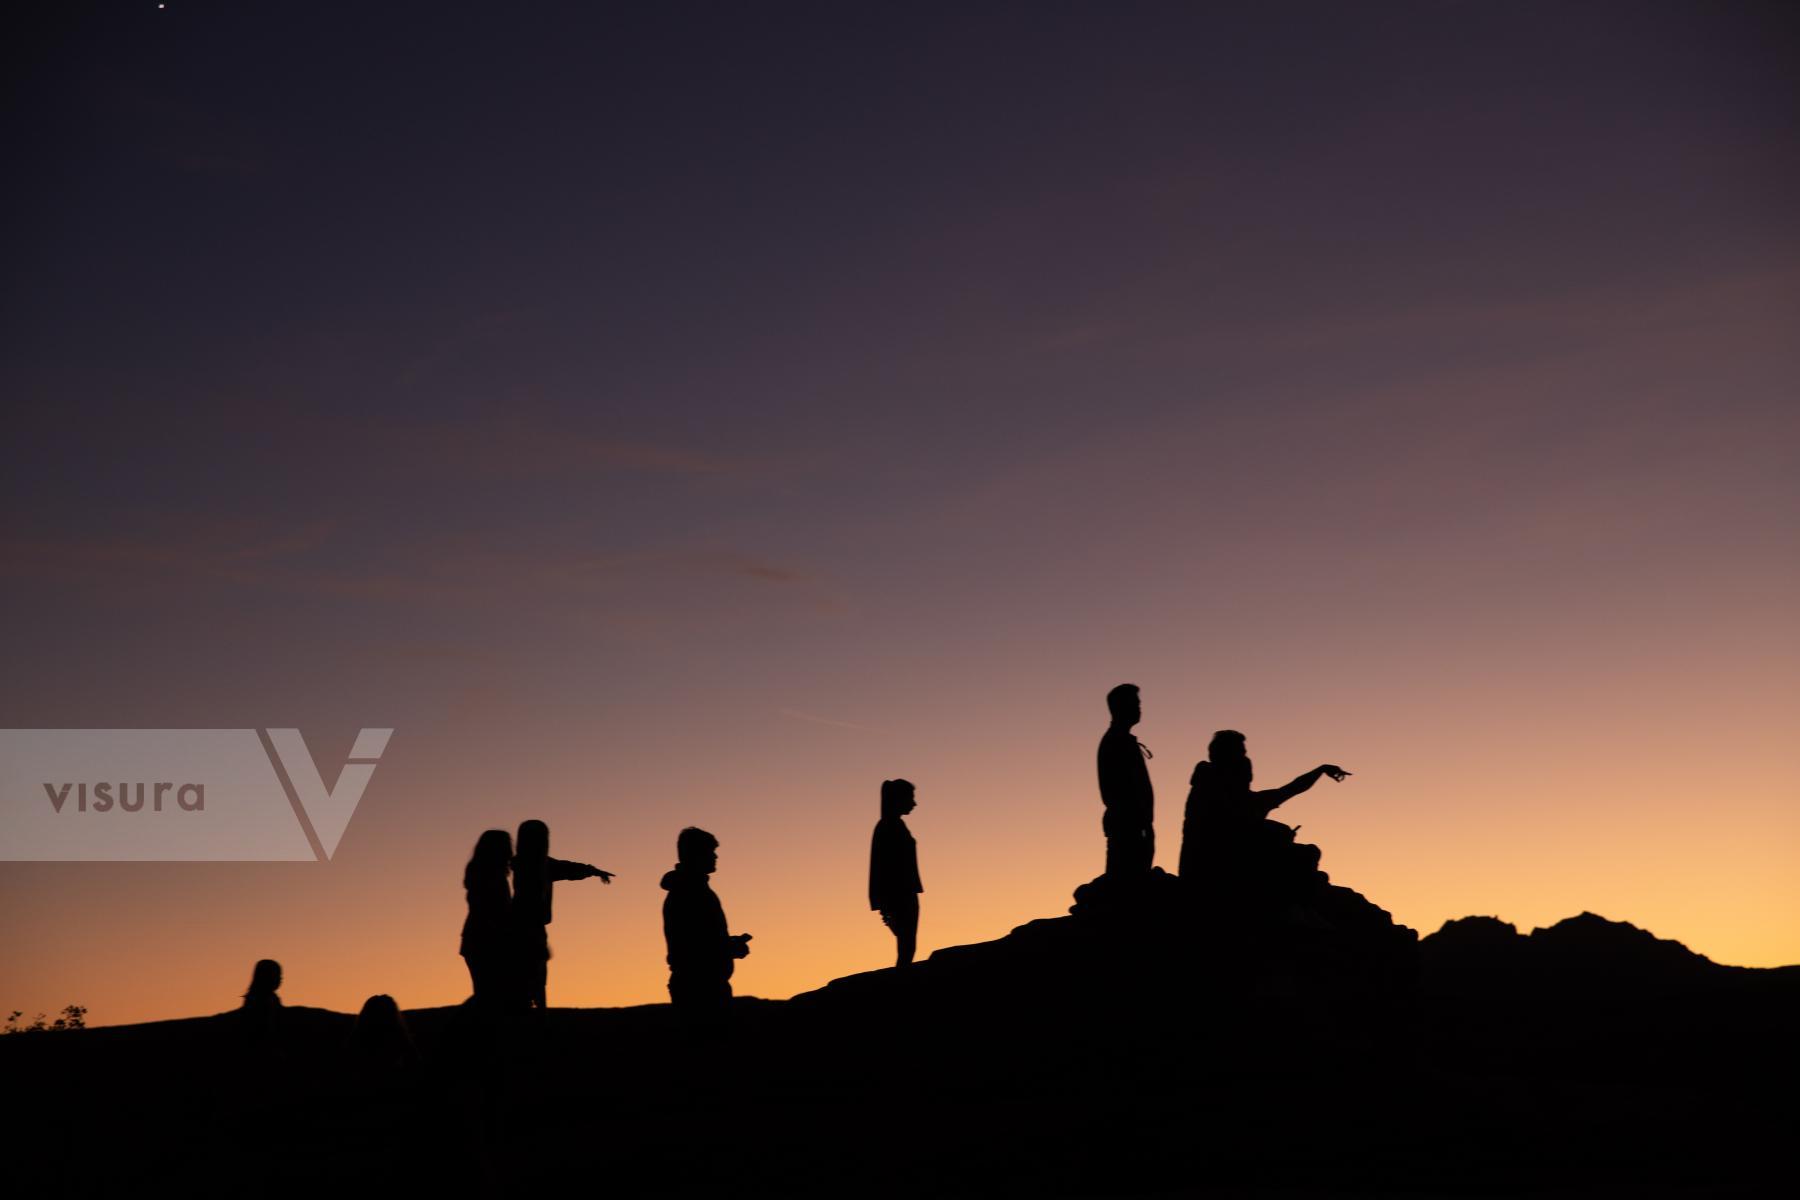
(695, 414)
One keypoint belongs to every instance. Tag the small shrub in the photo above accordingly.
(73, 1016)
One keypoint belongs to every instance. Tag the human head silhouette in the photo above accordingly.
(493, 850)
(265, 979)
(534, 840)
(1125, 706)
(697, 850)
(495, 845)
(380, 1036)
(1228, 755)
(897, 798)
(378, 1022)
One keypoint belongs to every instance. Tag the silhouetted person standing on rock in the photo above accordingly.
(894, 885)
(702, 950)
(534, 871)
(487, 945)
(1125, 788)
(1228, 842)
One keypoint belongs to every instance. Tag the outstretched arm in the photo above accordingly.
(564, 870)
(1275, 797)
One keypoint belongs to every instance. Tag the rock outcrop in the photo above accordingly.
(1585, 953)
(1158, 957)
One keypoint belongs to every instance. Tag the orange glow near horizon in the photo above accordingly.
(1429, 828)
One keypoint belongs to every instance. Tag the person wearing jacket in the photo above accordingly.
(894, 885)
(702, 950)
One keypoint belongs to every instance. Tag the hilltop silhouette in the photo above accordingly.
(1068, 1056)
(1584, 952)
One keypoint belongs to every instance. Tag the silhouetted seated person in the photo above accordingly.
(380, 1049)
(894, 885)
(533, 873)
(702, 950)
(381, 1114)
(261, 1010)
(487, 945)
(1125, 789)
(1231, 852)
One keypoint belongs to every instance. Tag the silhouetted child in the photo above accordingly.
(1129, 821)
(487, 945)
(534, 872)
(702, 949)
(894, 885)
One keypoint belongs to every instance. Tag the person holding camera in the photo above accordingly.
(703, 951)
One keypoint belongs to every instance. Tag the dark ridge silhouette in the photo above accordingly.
(1588, 999)
(1613, 949)
(1055, 1060)
(1585, 953)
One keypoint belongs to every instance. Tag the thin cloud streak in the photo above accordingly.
(818, 720)
(509, 450)
(320, 558)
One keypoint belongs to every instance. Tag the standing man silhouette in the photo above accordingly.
(702, 949)
(894, 885)
(1125, 788)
